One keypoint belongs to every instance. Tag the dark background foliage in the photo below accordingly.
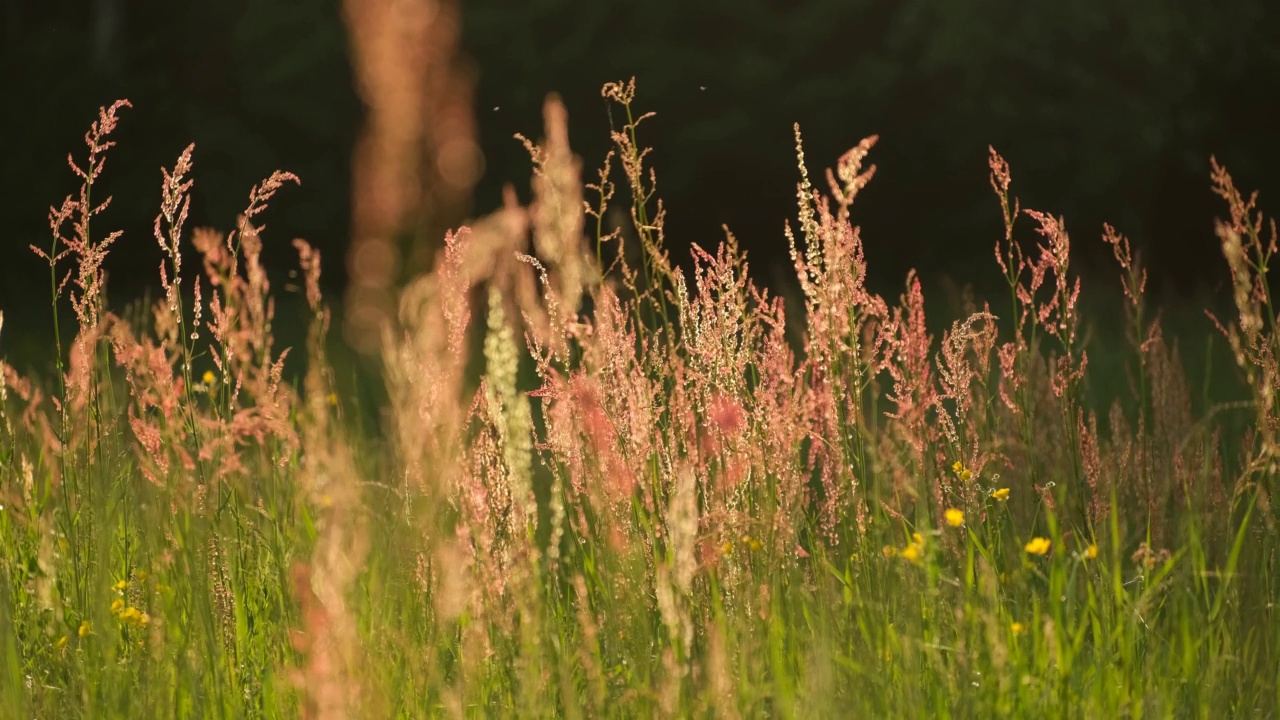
(1106, 111)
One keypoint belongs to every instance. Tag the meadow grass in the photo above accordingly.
(602, 485)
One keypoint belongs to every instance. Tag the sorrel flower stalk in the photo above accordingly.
(838, 367)
(175, 203)
(78, 390)
(1034, 310)
(330, 676)
(1254, 338)
(659, 273)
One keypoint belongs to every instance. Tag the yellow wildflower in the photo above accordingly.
(1017, 628)
(1001, 494)
(954, 517)
(133, 615)
(61, 643)
(140, 575)
(917, 538)
(965, 475)
(957, 466)
(117, 605)
(1091, 552)
(911, 552)
(208, 377)
(120, 586)
(85, 629)
(1038, 546)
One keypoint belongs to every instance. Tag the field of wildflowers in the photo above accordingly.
(605, 486)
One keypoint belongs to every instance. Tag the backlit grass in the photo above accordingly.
(657, 497)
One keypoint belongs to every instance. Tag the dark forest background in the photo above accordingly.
(1106, 111)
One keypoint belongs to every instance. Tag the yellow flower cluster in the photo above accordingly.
(128, 614)
(913, 552)
(954, 517)
(961, 471)
(1037, 546)
(133, 616)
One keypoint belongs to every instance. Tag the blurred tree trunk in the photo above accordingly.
(417, 159)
